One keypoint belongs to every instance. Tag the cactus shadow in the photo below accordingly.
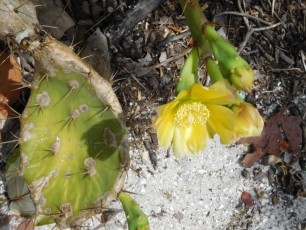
(98, 146)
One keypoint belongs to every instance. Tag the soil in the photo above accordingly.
(146, 51)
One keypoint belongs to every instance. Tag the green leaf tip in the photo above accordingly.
(136, 218)
(189, 73)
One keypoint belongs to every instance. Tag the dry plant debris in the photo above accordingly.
(247, 199)
(10, 82)
(282, 133)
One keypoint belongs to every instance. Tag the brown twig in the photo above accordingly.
(173, 38)
(246, 21)
(251, 31)
(245, 15)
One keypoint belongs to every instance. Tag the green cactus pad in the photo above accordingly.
(70, 155)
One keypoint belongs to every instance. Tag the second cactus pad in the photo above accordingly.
(69, 148)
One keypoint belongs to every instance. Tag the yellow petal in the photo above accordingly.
(198, 140)
(189, 141)
(171, 106)
(165, 126)
(220, 93)
(222, 122)
(249, 121)
(180, 148)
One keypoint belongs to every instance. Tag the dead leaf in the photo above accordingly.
(281, 133)
(3, 113)
(11, 78)
(249, 159)
(27, 224)
(10, 81)
(247, 199)
(16, 222)
(284, 145)
(291, 126)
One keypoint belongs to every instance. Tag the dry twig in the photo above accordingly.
(251, 31)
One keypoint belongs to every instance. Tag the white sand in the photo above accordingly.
(202, 193)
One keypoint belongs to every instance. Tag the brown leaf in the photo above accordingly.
(27, 224)
(284, 145)
(3, 114)
(11, 78)
(281, 133)
(10, 81)
(247, 199)
(249, 159)
(293, 132)
(16, 222)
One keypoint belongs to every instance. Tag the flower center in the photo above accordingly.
(191, 114)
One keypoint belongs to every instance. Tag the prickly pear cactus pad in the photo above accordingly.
(73, 145)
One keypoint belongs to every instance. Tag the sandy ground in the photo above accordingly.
(203, 192)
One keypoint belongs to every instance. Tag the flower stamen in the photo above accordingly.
(191, 114)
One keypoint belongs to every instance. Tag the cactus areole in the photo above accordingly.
(73, 147)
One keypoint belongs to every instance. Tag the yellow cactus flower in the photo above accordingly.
(249, 122)
(196, 115)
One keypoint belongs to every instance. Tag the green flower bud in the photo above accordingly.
(213, 70)
(232, 66)
(242, 78)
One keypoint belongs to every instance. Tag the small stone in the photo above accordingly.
(179, 216)
(247, 199)
(163, 56)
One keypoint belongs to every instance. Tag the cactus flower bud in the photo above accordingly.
(249, 122)
(232, 66)
(242, 78)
